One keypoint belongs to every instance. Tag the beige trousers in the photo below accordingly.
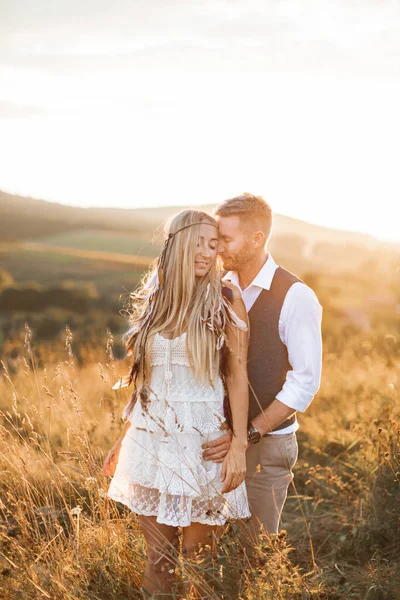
(269, 473)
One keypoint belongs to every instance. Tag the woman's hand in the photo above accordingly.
(111, 460)
(234, 466)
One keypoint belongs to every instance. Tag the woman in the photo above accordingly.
(186, 342)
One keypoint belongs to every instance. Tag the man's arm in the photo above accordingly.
(271, 417)
(301, 318)
(266, 421)
(301, 323)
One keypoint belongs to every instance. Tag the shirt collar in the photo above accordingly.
(263, 279)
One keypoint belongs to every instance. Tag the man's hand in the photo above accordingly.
(217, 449)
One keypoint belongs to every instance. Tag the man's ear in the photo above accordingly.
(259, 239)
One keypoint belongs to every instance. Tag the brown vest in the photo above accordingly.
(268, 362)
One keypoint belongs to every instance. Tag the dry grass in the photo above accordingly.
(62, 538)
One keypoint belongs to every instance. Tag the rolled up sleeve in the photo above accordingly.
(300, 329)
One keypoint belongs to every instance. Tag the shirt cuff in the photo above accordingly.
(294, 397)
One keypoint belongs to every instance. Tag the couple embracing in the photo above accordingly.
(221, 363)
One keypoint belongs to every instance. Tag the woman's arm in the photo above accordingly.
(112, 457)
(123, 432)
(234, 464)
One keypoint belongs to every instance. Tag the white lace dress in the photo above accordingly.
(160, 469)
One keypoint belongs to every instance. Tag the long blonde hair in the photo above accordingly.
(171, 294)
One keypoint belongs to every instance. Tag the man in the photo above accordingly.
(284, 358)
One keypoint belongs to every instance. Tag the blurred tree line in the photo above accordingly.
(33, 297)
(49, 308)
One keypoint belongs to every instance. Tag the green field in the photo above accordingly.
(105, 241)
(50, 268)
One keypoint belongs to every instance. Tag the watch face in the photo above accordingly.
(254, 436)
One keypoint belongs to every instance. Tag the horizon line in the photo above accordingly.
(366, 234)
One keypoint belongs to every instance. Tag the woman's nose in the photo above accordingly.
(204, 250)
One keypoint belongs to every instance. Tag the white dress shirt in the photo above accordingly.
(299, 330)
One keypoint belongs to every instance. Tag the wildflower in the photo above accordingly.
(76, 511)
(90, 482)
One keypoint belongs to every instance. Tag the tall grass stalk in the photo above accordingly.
(61, 537)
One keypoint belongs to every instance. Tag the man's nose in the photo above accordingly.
(220, 247)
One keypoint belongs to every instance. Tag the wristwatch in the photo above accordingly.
(253, 436)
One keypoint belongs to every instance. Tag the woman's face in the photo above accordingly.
(206, 249)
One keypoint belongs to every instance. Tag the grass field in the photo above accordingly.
(106, 241)
(61, 538)
(50, 265)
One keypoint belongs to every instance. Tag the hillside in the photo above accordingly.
(23, 218)
(48, 243)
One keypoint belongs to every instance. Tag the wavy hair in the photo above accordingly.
(170, 294)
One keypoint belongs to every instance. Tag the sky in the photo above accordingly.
(136, 103)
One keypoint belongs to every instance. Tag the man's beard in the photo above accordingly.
(239, 260)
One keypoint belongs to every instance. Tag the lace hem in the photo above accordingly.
(180, 511)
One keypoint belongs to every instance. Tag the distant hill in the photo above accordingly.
(23, 218)
(45, 246)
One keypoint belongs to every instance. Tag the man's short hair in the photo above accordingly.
(254, 212)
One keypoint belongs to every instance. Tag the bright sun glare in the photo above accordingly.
(320, 146)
